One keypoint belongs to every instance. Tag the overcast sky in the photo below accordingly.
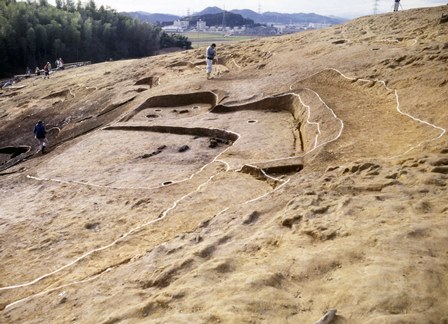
(341, 8)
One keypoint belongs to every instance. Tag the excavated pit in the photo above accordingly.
(304, 133)
(298, 131)
(283, 166)
(194, 157)
(279, 125)
(197, 103)
(10, 152)
(264, 137)
(126, 156)
(193, 131)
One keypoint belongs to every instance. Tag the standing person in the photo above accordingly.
(61, 64)
(210, 56)
(397, 4)
(40, 135)
(47, 69)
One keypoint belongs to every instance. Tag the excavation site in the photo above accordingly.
(306, 180)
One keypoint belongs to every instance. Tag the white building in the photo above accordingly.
(173, 29)
(178, 26)
(280, 28)
(181, 23)
(201, 25)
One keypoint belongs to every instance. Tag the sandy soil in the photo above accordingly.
(310, 174)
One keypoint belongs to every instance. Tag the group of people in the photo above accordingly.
(59, 64)
(47, 68)
(39, 129)
(40, 132)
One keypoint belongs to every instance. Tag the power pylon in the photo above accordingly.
(224, 20)
(375, 7)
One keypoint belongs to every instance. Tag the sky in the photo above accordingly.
(340, 8)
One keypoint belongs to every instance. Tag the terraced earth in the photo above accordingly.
(310, 174)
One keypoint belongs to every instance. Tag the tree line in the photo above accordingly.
(34, 32)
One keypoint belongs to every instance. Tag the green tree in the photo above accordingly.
(58, 48)
(70, 5)
(34, 32)
(31, 43)
(174, 40)
(41, 43)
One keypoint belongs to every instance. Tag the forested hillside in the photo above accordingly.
(218, 19)
(34, 32)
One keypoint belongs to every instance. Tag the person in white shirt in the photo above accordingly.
(210, 56)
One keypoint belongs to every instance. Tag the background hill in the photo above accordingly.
(310, 174)
(282, 18)
(152, 17)
(209, 11)
(264, 18)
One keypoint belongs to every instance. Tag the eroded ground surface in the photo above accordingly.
(310, 174)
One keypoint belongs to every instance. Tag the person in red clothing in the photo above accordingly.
(47, 69)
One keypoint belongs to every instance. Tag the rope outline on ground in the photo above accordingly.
(174, 205)
(442, 130)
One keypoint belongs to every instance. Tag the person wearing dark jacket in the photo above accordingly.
(40, 135)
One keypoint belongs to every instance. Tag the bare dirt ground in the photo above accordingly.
(310, 174)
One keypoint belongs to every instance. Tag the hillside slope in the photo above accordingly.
(310, 174)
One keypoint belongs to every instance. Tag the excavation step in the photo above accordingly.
(262, 170)
(281, 166)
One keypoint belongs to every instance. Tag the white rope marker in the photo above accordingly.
(165, 213)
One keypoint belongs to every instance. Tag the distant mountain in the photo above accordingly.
(268, 17)
(152, 17)
(282, 18)
(264, 18)
(208, 11)
(247, 13)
